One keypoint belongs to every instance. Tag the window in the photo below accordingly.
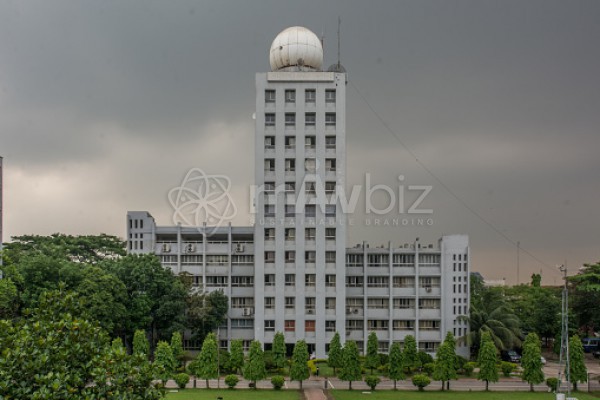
(242, 324)
(329, 120)
(242, 281)
(270, 119)
(290, 187)
(269, 142)
(330, 96)
(330, 210)
(429, 259)
(269, 96)
(354, 260)
(269, 233)
(290, 234)
(290, 210)
(377, 281)
(290, 165)
(290, 96)
(330, 280)
(269, 187)
(354, 325)
(428, 325)
(329, 326)
(242, 302)
(190, 260)
(310, 211)
(378, 303)
(355, 302)
(310, 280)
(269, 280)
(269, 165)
(403, 282)
(403, 325)
(216, 281)
(310, 95)
(403, 260)
(269, 325)
(429, 281)
(269, 256)
(329, 187)
(309, 326)
(310, 256)
(269, 303)
(269, 210)
(310, 119)
(290, 256)
(330, 142)
(310, 142)
(310, 233)
(290, 302)
(429, 303)
(290, 119)
(310, 189)
(383, 347)
(330, 233)
(330, 303)
(378, 324)
(404, 303)
(217, 259)
(309, 304)
(290, 280)
(290, 142)
(429, 347)
(289, 325)
(330, 256)
(242, 259)
(330, 164)
(310, 165)
(354, 281)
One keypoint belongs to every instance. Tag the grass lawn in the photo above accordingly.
(405, 395)
(236, 394)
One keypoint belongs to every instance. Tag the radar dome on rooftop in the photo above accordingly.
(296, 49)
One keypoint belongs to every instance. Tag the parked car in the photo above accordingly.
(511, 356)
(591, 344)
(543, 360)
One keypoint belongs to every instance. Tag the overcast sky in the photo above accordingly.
(106, 105)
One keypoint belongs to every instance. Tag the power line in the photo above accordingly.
(450, 191)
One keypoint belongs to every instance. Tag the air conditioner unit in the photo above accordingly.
(355, 311)
(166, 248)
(248, 311)
(348, 311)
(190, 248)
(239, 248)
(310, 311)
(428, 289)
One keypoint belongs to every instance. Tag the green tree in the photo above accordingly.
(487, 359)
(445, 364)
(410, 354)
(9, 298)
(351, 369)
(140, 343)
(163, 358)
(177, 347)
(205, 312)
(396, 369)
(55, 353)
(207, 361)
(586, 297)
(279, 350)
(577, 362)
(236, 360)
(335, 352)
(372, 359)
(254, 369)
(531, 361)
(299, 369)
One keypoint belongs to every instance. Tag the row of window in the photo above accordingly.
(310, 95)
(310, 188)
(211, 260)
(309, 234)
(310, 142)
(355, 303)
(397, 325)
(309, 256)
(310, 120)
(397, 281)
(290, 303)
(383, 260)
(309, 280)
(310, 211)
(310, 165)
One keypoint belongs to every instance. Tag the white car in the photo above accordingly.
(543, 360)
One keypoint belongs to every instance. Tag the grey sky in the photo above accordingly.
(106, 105)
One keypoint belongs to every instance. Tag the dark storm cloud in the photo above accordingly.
(499, 99)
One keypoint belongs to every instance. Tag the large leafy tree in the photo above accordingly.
(487, 359)
(586, 297)
(531, 361)
(351, 368)
(577, 362)
(255, 369)
(56, 353)
(445, 364)
(335, 352)
(177, 347)
(164, 359)
(299, 369)
(396, 368)
(372, 358)
(236, 358)
(205, 311)
(140, 343)
(207, 362)
(279, 350)
(410, 354)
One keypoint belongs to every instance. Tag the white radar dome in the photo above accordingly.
(297, 49)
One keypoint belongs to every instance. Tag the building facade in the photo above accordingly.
(291, 272)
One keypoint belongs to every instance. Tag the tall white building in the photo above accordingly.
(291, 272)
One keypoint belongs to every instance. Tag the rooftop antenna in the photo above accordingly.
(564, 338)
(339, 25)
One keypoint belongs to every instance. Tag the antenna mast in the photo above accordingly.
(339, 24)
(564, 337)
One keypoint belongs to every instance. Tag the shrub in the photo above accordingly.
(552, 383)
(421, 381)
(372, 381)
(428, 368)
(468, 368)
(231, 381)
(277, 381)
(507, 368)
(181, 380)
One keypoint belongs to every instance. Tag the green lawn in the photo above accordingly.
(236, 394)
(430, 395)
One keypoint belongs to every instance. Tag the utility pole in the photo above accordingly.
(564, 337)
(518, 264)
